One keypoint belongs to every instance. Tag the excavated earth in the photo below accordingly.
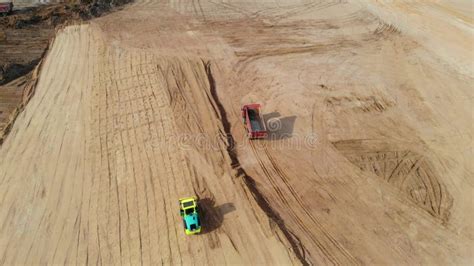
(25, 37)
(369, 158)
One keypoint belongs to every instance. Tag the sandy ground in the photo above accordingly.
(369, 160)
(24, 38)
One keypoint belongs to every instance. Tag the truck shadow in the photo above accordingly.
(212, 215)
(279, 127)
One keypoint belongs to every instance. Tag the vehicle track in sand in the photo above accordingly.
(334, 252)
(406, 170)
(140, 107)
(109, 194)
(351, 91)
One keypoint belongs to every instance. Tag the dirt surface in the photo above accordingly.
(24, 38)
(24, 34)
(369, 158)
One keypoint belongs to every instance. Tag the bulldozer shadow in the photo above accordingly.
(212, 215)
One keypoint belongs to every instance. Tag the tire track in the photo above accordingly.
(272, 176)
(303, 207)
(409, 172)
(249, 181)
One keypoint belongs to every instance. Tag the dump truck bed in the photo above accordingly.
(254, 121)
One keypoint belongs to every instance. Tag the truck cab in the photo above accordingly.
(6, 7)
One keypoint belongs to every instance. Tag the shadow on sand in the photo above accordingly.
(279, 127)
(212, 215)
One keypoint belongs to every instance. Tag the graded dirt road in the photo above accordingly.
(368, 160)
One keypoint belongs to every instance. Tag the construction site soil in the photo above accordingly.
(368, 159)
(25, 37)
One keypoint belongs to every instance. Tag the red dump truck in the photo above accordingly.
(253, 121)
(6, 7)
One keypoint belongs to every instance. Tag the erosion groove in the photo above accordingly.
(294, 241)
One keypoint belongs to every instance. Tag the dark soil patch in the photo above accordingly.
(25, 34)
(24, 39)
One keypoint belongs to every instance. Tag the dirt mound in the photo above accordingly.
(58, 13)
(25, 34)
(24, 39)
(21, 50)
(132, 168)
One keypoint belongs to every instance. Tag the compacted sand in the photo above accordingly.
(369, 158)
